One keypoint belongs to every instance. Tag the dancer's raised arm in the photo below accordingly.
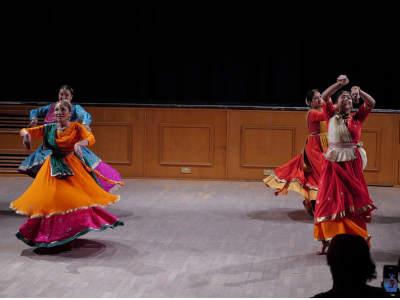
(356, 92)
(341, 81)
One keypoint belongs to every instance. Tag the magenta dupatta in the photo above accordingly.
(50, 116)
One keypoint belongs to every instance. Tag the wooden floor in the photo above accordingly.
(188, 239)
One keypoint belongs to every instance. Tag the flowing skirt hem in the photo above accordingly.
(328, 230)
(350, 212)
(283, 187)
(63, 212)
(57, 243)
(116, 187)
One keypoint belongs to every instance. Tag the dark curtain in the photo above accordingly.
(237, 52)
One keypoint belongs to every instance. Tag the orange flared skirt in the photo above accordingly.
(48, 196)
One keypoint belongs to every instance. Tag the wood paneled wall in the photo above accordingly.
(214, 143)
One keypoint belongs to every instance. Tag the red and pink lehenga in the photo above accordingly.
(64, 201)
(302, 173)
(343, 204)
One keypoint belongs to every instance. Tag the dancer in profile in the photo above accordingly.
(343, 203)
(64, 201)
(302, 173)
(32, 164)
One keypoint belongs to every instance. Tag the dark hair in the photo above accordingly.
(67, 87)
(341, 92)
(310, 95)
(349, 259)
(63, 103)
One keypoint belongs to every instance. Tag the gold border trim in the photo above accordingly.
(293, 180)
(63, 212)
(367, 238)
(326, 102)
(344, 213)
(367, 106)
(39, 162)
(365, 208)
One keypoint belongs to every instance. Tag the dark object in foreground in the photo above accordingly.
(351, 266)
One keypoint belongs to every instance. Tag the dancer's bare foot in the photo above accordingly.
(308, 209)
(322, 248)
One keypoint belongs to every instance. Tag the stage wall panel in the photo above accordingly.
(178, 138)
(120, 136)
(377, 136)
(261, 140)
(215, 143)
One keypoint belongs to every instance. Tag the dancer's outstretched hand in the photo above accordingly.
(33, 123)
(78, 150)
(87, 128)
(27, 141)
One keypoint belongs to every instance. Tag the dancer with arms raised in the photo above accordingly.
(343, 204)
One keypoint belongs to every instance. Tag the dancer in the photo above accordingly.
(302, 173)
(63, 202)
(32, 164)
(343, 204)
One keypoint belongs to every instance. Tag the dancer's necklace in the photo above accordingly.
(61, 129)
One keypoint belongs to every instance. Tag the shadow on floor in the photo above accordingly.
(121, 213)
(285, 263)
(300, 216)
(385, 219)
(82, 248)
(281, 214)
(96, 253)
(379, 256)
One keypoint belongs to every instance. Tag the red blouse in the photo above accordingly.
(353, 123)
(314, 119)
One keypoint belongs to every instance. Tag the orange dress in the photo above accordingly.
(60, 210)
(302, 173)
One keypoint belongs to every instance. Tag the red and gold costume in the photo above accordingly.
(343, 204)
(302, 173)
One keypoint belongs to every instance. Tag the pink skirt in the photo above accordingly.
(60, 229)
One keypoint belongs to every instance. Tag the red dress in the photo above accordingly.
(343, 204)
(302, 173)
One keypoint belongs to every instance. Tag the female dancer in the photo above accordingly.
(63, 202)
(343, 204)
(302, 173)
(34, 162)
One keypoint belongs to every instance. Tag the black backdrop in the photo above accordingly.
(196, 52)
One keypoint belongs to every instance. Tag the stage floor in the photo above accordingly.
(188, 239)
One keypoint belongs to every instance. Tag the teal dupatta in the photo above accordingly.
(59, 168)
